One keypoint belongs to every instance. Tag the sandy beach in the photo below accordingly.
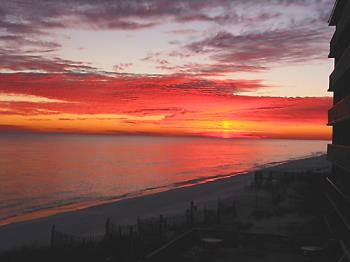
(170, 203)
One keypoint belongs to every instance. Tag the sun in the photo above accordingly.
(226, 124)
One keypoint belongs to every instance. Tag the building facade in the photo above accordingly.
(339, 119)
(339, 84)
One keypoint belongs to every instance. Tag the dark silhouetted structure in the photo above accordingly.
(339, 83)
(339, 118)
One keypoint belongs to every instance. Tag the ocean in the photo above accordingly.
(43, 174)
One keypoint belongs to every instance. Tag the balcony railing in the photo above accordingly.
(340, 69)
(336, 11)
(340, 111)
(342, 24)
(340, 156)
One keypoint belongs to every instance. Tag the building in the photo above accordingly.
(339, 118)
(339, 84)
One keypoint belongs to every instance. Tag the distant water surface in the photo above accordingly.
(44, 174)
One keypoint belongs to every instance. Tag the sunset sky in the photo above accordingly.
(223, 68)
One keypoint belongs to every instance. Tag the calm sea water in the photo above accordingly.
(39, 173)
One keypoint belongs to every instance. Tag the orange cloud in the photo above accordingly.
(162, 105)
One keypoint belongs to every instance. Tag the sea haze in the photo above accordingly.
(46, 174)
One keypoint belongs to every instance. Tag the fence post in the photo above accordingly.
(193, 208)
(131, 231)
(120, 231)
(138, 224)
(188, 220)
(218, 211)
(107, 228)
(52, 239)
(234, 209)
(161, 221)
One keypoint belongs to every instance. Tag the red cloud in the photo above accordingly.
(164, 104)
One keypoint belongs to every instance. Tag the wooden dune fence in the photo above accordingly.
(62, 239)
(152, 230)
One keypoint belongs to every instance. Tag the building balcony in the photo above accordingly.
(343, 23)
(339, 155)
(337, 11)
(340, 111)
(341, 68)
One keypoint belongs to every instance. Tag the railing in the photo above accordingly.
(335, 11)
(338, 216)
(231, 238)
(340, 69)
(339, 155)
(342, 24)
(340, 111)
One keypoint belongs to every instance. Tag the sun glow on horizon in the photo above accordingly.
(164, 67)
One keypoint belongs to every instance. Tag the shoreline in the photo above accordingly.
(171, 203)
(77, 206)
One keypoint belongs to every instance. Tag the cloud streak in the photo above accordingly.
(27, 62)
(19, 98)
(152, 105)
(202, 56)
(38, 14)
(279, 36)
(258, 50)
